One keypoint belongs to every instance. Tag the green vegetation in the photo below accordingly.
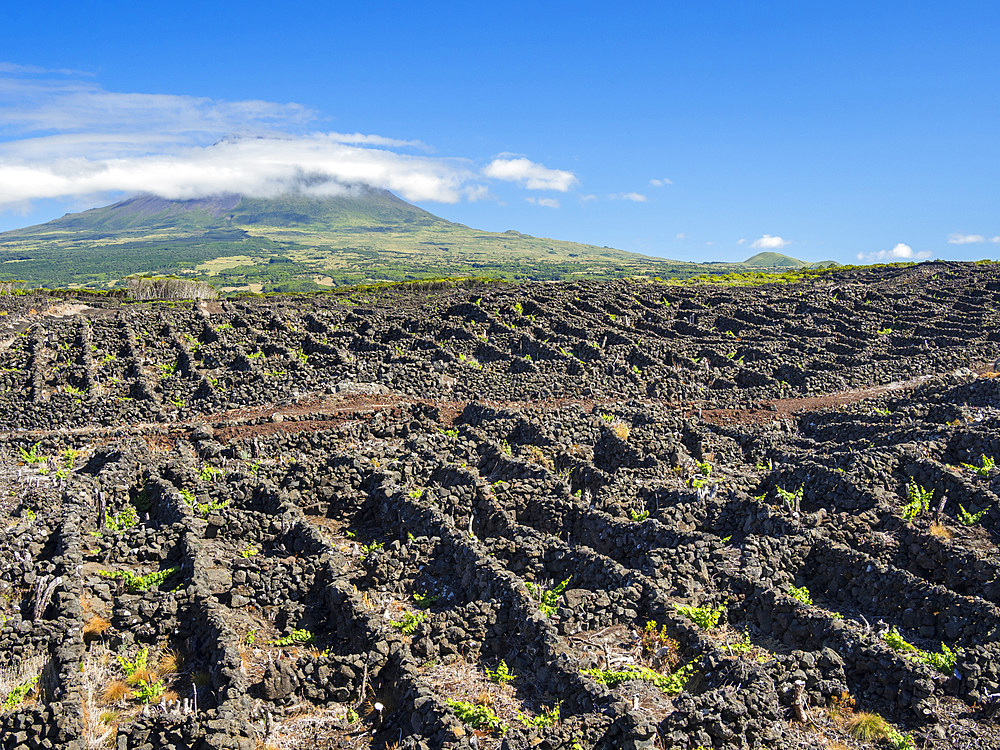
(478, 716)
(149, 691)
(210, 473)
(545, 719)
(501, 675)
(141, 662)
(971, 519)
(943, 662)
(918, 500)
(295, 244)
(424, 601)
(793, 500)
(671, 684)
(31, 456)
(984, 471)
(547, 598)
(149, 687)
(14, 698)
(296, 637)
(409, 621)
(124, 519)
(801, 593)
(138, 583)
(704, 617)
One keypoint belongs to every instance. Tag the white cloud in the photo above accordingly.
(660, 182)
(680, 236)
(770, 242)
(901, 251)
(63, 136)
(319, 164)
(965, 239)
(8, 67)
(971, 239)
(741, 241)
(533, 176)
(588, 197)
(547, 202)
(634, 197)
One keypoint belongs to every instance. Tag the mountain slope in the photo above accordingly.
(770, 260)
(297, 243)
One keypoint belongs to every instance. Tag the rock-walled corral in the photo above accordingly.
(621, 515)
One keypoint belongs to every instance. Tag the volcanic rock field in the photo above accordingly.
(548, 515)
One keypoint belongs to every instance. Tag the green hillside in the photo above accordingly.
(301, 243)
(777, 260)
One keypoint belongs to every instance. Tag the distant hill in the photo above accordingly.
(777, 260)
(299, 243)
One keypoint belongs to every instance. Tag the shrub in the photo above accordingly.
(19, 693)
(793, 500)
(984, 471)
(139, 583)
(704, 617)
(301, 637)
(801, 593)
(477, 717)
(124, 519)
(545, 719)
(671, 683)
(501, 675)
(943, 662)
(918, 500)
(408, 623)
(971, 519)
(655, 642)
(547, 598)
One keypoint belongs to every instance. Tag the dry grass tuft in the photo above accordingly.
(867, 726)
(141, 675)
(170, 662)
(94, 628)
(940, 530)
(116, 691)
(621, 430)
(535, 455)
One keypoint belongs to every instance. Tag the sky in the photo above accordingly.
(849, 131)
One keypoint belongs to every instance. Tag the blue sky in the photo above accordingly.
(700, 131)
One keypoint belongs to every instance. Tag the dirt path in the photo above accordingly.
(317, 411)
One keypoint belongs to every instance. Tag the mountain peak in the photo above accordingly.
(774, 260)
(355, 207)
